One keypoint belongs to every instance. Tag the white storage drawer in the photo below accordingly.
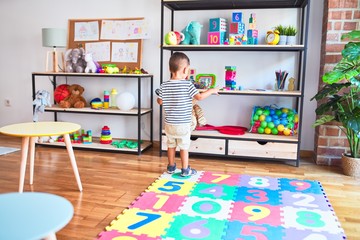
(202, 145)
(263, 150)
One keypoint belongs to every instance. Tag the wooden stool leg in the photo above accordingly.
(32, 157)
(72, 159)
(24, 153)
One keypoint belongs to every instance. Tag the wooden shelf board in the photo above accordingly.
(68, 74)
(259, 92)
(98, 146)
(133, 111)
(257, 47)
(246, 136)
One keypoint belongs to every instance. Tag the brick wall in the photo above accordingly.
(340, 16)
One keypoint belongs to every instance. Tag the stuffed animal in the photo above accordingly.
(197, 118)
(42, 99)
(192, 33)
(75, 60)
(74, 99)
(91, 65)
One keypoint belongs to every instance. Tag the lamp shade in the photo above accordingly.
(53, 37)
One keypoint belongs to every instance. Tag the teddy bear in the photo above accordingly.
(74, 99)
(197, 118)
(75, 60)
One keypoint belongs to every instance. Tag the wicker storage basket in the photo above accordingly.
(351, 166)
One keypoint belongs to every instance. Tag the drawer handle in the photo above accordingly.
(262, 142)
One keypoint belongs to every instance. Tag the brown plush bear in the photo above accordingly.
(197, 119)
(74, 99)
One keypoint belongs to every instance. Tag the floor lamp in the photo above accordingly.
(55, 38)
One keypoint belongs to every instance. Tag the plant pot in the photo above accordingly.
(351, 166)
(290, 40)
(282, 40)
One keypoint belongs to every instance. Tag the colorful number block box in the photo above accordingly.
(217, 25)
(237, 28)
(216, 38)
(237, 17)
(252, 33)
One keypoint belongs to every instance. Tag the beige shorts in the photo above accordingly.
(178, 136)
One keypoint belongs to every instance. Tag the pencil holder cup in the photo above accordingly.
(279, 86)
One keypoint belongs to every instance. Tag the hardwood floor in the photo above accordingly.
(111, 181)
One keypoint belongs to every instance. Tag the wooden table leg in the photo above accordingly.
(24, 153)
(32, 157)
(72, 159)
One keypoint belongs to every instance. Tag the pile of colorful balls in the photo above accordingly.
(272, 120)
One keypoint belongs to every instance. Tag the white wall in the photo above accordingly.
(22, 53)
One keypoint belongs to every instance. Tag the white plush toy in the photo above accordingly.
(42, 99)
(90, 64)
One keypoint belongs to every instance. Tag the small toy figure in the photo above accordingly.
(91, 66)
(42, 99)
(291, 85)
(105, 137)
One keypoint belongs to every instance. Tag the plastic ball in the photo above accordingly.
(262, 118)
(61, 92)
(290, 125)
(280, 127)
(259, 112)
(270, 125)
(284, 121)
(125, 101)
(267, 130)
(272, 112)
(268, 119)
(254, 129)
(256, 117)
(263, 124)
(290, 118)
(275, 117)
(287, 132)
(276, 122)
(266, 112)
(257, 123)
(261, 130)
(296, 118)
(278, 112)
(285, 110)
(274, 131)
(283, 115)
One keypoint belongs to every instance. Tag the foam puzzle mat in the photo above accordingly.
(215, 206)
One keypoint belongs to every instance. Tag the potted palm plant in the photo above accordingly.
(339, 99)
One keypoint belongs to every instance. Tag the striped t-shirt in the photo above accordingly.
(177, 98)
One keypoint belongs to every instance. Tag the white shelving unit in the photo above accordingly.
(135, 112)
(249, 145)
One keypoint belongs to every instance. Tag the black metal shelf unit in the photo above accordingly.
(300, 50)
(138, 113)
